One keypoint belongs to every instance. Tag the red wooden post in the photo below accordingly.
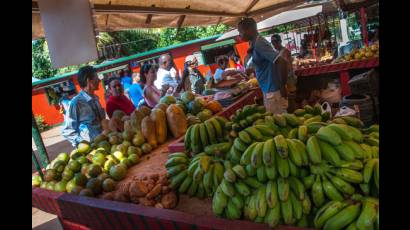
(363, 21)
(344, 79)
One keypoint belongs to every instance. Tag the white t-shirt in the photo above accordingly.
(166, 77)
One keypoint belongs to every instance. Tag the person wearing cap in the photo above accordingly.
(192, 79)
(84, 115)
(167, 75)
(270, 68)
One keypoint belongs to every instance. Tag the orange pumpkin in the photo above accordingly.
(214, 106)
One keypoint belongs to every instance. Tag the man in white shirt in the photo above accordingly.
(167, 76)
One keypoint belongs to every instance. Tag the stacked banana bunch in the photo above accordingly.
(357, 213)
(199, 176)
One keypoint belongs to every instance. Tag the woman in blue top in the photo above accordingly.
(135, 91)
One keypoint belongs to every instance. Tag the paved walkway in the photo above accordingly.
(55, 144)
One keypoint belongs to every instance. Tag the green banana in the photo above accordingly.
(253, 212)
(211, 132)
(316, 118)
(317, 192)
(192, 167)
(283, 189)
(309, 109)
(207, 179)
(375, 151)
(291, 119)
(238, 144)
(254, 133)
(331, 192)
(247, 154)
(343, 218)
(297, 187)
(281, 146)
(287, 211)
(328, 211)
(328, 135)
(329, 153)
(227, 165)
(204, 163)
(339, 120)
(293, 169)
(250, 171)
(297, 209)
(235, 155)
(313, 127)
(356, 148)
(345, 152)
(177, 180)
(268, 152)
(219, 202)
(238, 200)
(299, 112)
(261, 204)
(198, 174)
(313, 150)
(272, 194)
(353, 121)
(301, 148)
(203, 135)
(376, 174)
(272, 216)
(218, 174)
(348, 175)
(294, 154)
(368, 169)
(306, 204)
(252, 182)
(265, 130)
(302, 133)
(231, 211)
(365, 188)
(227, 188)
(184, 186)
(174, 170)
(195, 143)
(341, 185)
(303, 222)
(261, 174)
(239, 171)
(282, 166)
(356, 134)
(245, 138)
(256, 158)
(308, 181)
(217, 128)
(271, 172)
(192, 189)
(187, 138)
(175, 161)
(242, 188)
(343, 130)
(230, 175)
(280, 120)
(293, 133)
(352, 226)
(177, 154)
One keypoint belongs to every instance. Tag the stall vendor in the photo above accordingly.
(222, 72)
(267, 62)
(117, 99)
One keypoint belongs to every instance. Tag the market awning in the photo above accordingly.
(126, 14)
(218, 44)
(281, 18)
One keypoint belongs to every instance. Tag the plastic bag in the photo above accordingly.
(327, 108)
(345, 111)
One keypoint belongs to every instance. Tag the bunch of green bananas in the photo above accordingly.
(198, 177)
(210, 132)
(245, 117)
(349, 214)
(309, 112)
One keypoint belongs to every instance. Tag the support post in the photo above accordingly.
(36, 164)
(41, 149)
(344, 79)
(363, 21)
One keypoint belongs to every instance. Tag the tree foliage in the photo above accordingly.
(122, 43)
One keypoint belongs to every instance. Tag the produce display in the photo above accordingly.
(94, 169)
(302, 169)
(364, 53)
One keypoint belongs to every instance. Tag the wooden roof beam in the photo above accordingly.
(253, 3)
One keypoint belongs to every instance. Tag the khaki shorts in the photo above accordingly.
(275, 103)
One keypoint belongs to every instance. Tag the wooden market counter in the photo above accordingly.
(341, 68)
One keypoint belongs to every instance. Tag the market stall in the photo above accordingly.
(240, 167)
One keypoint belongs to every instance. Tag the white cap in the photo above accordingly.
(189, 58)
